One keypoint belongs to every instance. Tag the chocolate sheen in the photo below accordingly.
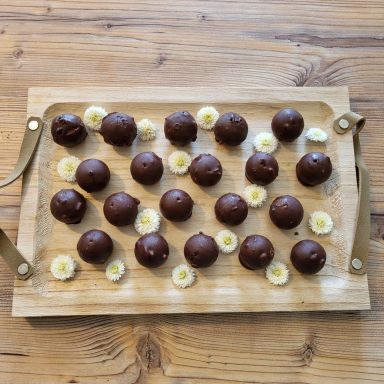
(147, 168)
(95, 246)
(256, 252)
(201, 250)
(308, 256)
(205, 170)
(151, 250)
(230, 129)
(118, 129)
(68, 206)
(286, 212)
(121, 209)
(92, 175)
(287, 124)
(313, 169)
(231, 209)
(176, 205)
(68, 130)
(261, 169)
(180, 128)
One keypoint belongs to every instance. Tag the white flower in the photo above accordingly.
(316, 134)
(183, 276)
(255, 195)
(93, 117)
(63, 267)
(265, 142)
(207, 117)
(227, 241)
(277, 273)
(66, 168)
(115, 269)
(178, 162)
(147, 221)
(320, 222)
(146, 130)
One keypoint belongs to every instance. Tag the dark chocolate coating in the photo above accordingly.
(121, 209)
(147, 168)
(118, 129)
(176, 205)
(180, 128)
(256, 252)
(95, 246)
(287, 124)
(205, 170)
(68, 206)
(231, 209)
(151, 250)
(286, 212)
(68, 130)
(230, 129)
(92, 175)
(261, 169)
(308, 256)
(201, 250)
(313, 169)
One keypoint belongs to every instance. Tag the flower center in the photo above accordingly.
(208, 118)
(255, 195)
(320, 223)
(62, 267)
(69, 167)
(114, 269)
(180, 162)
(277, 272)
(94, 117)
(182, 274)
(145, 220)
(265, 141)
(227, 240)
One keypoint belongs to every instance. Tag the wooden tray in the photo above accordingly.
(226, 286)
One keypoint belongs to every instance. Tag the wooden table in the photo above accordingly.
(192, 43)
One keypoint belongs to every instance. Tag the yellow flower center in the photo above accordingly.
(114, 269)
(180, 162)
(94, 117)
(208, 118)
(227, 240)
(320, 223)
(145, 220)
(265, 141)
(182, 274)
(277, 272)
(69, 167)
(62, 267)
(255, 195)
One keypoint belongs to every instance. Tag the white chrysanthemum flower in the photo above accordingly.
(183, 276)
(66, 168)
(207, 117)
(277, 273)
(178, 162)
(316, 134)
(265, 142)
(227, 241)
(146, 130)
(63, 267)
(320, 222)
(255, 195)
(93, 117)
(147, 221)
(115, 269)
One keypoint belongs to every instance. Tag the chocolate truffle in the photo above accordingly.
(287, 124)
(176, 205)
(313, 168)
(201, 250)
(147, 168)
(308, 256)
(68, 130)
(151, 250)
(121, 209)
(180, 128)
(230, 129)
(205, 170)
(231, 209)
(286, 212)
(118, 129)
(92, 175)
(256, 252)
(95, 246)
(261, 168)
(68, 206)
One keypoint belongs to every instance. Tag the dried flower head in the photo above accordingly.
(178, 162)
(147, 221)
(146, 130)
(227, 241)
(93, 117)
(207, 117)
(66, 168)
(63, 267)
(277, 273)
(115, 269)
(265, 142)
(183, 276)
(316, 134)
(320, 223)
(255, 195)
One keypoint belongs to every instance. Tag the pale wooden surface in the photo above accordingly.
(194, 42)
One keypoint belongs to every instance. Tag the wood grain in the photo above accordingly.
(244, 43)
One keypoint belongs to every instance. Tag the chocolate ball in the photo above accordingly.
(201, 250)
(313, 169)
(230, 129)
(151, 250)
(68, 206)
(261, 169)
(231, 209)
(286, 212)
(92, 175)
(256, 252)
(287, 124)
(95, 246)
(68, 130)
(205, 170)
(180, 128)
(176, 205)
(121, 209)
(147, 168)
(308, 256)
(118, 129)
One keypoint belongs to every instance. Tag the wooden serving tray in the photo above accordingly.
(226, 286)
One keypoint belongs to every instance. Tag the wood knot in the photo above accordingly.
(161, 59)
(109, 26)
(2, 31)
(17, 53)
(149, 353)
(201, 17)
(48, 9)
(308, 351)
